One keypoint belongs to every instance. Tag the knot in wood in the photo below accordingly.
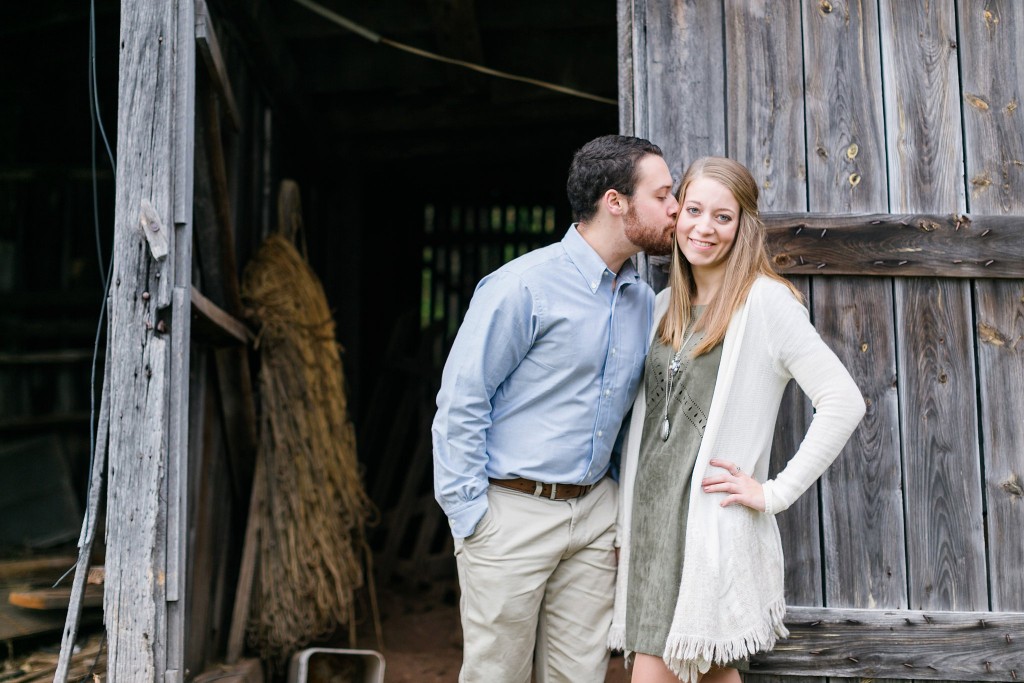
(1013, 487)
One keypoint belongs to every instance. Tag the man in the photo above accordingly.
(541, 374)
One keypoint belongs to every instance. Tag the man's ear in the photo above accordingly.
(615, 202)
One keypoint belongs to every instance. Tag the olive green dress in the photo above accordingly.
(662, 488)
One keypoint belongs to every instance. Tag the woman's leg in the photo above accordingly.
(651, 669)
(719, 674)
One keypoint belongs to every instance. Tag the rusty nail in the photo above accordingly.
(902, 263)
(824, 231)
(149, 325)
(986, 232)
(161, 327)
(879, 263)
(989, 262)
(925, 616)
(1008, 638)
(1013, 672)
(821, 265)
(958, 261)
(145, 296)
(815, 652)
(988, 666)
(983, 624)
(798, 231)
(801, 260)
(876, 222)
(815, 623)
(909, 666)
(854, 660)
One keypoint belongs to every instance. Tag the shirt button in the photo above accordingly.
(593, 285)
(613, 352)
(600, 433)
(607, 392)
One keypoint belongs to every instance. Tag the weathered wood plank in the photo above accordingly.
(134, 604)
(764, 98)
(991, 42)
(861, 492)
(863, 530)
(1000, 330)
(994, 134)
(935, 355)
(624, 14)
(215, 325)
(209, 48)
(928, 645)
(685, 81)
(845, 139)
(938, 415)
(922, 98)
(894, 244)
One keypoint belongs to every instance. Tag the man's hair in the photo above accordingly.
(605, 163)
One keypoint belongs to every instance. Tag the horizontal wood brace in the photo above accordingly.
(907, 644)
(934, 245)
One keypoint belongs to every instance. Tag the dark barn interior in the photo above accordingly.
(417, 177)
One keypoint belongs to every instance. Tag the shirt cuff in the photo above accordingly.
(463, 522)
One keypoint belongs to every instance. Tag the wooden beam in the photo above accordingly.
(213, 324)
(892, 244)
(209, 49)
(907, 644)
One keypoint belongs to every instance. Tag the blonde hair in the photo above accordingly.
(746, 261)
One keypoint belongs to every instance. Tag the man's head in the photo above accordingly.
(627, 180)
(609, 162)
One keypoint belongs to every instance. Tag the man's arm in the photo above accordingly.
(495, 336)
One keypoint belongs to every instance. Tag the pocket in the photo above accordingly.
(485, 527)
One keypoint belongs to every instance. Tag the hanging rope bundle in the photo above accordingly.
(311, 524)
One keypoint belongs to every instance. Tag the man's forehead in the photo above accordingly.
(654, 172)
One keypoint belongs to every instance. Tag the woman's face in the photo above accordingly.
(708, 220)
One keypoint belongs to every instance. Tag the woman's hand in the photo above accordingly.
(741, 487)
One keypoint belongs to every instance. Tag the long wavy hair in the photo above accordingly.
(746, 261)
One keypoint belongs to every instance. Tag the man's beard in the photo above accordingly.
(653, 240)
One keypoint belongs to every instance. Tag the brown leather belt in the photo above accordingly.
(541, 490)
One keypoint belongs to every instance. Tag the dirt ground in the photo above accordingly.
(423, 639)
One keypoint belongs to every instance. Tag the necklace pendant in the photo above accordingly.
(665, 429)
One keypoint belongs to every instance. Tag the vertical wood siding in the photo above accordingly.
(865, 106)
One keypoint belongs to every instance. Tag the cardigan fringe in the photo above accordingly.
(691, 656)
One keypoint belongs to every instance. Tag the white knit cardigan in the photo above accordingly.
(731, 600)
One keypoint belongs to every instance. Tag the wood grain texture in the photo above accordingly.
(904, 644)
(764, 98)
(1000, 329)
(992, 40)
(884, 244)
(939, 428)
(684, 80)
(994, 132)
(135, 591)
(862, 493)
(845, 128)
(624, 21)
(922, 105)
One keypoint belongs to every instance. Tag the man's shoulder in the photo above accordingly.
(525, 265)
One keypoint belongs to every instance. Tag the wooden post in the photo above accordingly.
(148, 339)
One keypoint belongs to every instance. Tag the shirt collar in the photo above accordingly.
(590, 264)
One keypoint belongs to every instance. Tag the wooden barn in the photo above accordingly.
(153, 148)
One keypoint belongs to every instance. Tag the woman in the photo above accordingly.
(700, 583)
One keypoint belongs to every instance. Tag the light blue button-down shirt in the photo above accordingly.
(545, 366)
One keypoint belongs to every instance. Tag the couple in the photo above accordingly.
(677, 559)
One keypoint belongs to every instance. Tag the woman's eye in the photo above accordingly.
(692, 210)
(725, 218)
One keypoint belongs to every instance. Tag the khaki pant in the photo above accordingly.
(538, 581)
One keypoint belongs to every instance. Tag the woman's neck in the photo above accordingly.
(706, 285)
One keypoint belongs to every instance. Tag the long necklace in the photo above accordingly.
(673, 367)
